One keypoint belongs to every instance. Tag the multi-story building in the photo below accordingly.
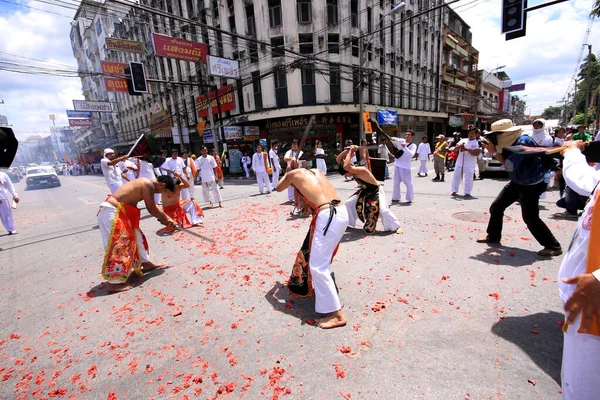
(459, 70)
(296, 59)
(62, 140)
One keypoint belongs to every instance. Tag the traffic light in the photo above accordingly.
(513, 15)
(521, 32)
(136, 78)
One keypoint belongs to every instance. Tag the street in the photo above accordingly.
(431, 313)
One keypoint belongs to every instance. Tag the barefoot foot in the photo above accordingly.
(149, 266)
(119, 287)
(333, 320)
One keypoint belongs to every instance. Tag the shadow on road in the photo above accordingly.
(545, 347)
(95, 227)
(135, 281)
(511, 256)
(282, 301)
(353, 234)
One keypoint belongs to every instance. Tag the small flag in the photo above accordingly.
(141, 148)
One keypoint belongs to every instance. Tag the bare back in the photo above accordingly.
(170, 198)
(313, 185)
(135, 191)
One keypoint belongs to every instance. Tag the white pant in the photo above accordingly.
(185, 194)
(114, 186)
(246, 170)
(423, 167)
(263, 179)
(6, 215)
(192, 188)
(275, 179)
(207, 188)
(457, 178)
(388, 218)
(403, 175)
(322, 166)
(106, 216)
(190, 209)
(291, 196)
(321, 252)
(580, 374)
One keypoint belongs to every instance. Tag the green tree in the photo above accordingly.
(578, 119)
(589, 73)
(596, 9)
(518, 114)
(552, 112)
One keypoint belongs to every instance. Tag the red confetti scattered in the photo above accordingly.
(532, 381)
(511, 254)
(494, 295)
(58, 392)
(15, 336)
(535, 332)
(380, 305)
(345, 395)
(345, 349)
(339, 372)
(112, 396)
(92, 371)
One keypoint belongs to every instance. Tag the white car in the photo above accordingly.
(490, 164)
(41, 176)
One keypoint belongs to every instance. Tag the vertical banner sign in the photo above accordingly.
(226, 98)
(180, 49)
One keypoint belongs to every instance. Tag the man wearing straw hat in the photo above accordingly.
(526, 184)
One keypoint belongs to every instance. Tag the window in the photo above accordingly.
(381, 32)
(393, 62)
(309, 95)
(355, 47)
(253, 52)
(381, 60)
(274, 13)
(356, 85)
(306, 43)
(369, 50)
(278, 47)
(392, 31)
(334, 84)
(281, 95)
(354, 13)
(304, 11)
(382, 90)
(332, 12)
(333, 43)
(392, 91)
(485, 93)
(369, 19)
(257, 88)
(250, 25)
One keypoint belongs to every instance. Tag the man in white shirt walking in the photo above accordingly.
(424, 150)
(6, 188)
(275, 164)
(293, 154)
(246, 160)
(468, 150)
(176, 163)
(402, 172)
(207, 166)
(260, 166)
(113, 175)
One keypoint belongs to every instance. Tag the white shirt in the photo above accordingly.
(293, 154)
(258, 162)
(206, 165)
(423, 150)
(6, 187)
(582, 179)
(409, 153)
(466, 159)
(558, 142)
(246, 160)
(112, 173)
(146, 170)
(274, 160)
(174, 164)
(382, 152)
(597, 138)
(320, 161)
(542, 138)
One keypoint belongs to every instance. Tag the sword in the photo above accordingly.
(190, 232)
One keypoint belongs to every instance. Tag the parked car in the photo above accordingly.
(13, 175)
(490, 164)
(41, 177)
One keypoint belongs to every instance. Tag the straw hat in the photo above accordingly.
(504, 125)
(441, 137)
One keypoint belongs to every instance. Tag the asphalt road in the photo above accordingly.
(431, 313)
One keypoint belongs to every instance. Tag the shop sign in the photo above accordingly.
(251, 133)
(232, 132)
(387, 117)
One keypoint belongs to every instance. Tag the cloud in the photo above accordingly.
(30, 99)
(545, 58)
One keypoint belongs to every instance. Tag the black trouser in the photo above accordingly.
(572, 202)
(529, 197)
(561, 184)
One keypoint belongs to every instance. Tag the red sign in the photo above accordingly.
(81, 122)
(226, 99)
(116, 85)
(113, 68)
(180, 49)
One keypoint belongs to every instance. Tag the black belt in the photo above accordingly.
(332, 212)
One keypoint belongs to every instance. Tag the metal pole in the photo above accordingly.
(587, 84)
(210, 114)
(361, 60)
(180, 134)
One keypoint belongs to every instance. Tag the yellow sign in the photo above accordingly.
(367, 123)
(200, 127)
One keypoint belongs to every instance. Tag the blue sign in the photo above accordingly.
(79, 114)
(263, 143)
(387, 117)
(207, 136)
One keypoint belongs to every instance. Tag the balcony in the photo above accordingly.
(460, 82)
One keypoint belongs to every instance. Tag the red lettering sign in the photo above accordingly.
(113, 68)
(180, 49)
(226, 99)
(81, 122)
(116, 85)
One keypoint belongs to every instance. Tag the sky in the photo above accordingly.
(545, 59)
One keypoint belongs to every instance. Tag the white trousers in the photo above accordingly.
(457, 178)
(263, 180)
(209, 188)
(275, 178)
(423, 167)
(192, 188)
(321, 251)
(322, 166)
(6, 215)
(580, 375)
(114, 186)
(291, 194)
(190, 210)
(106, 216)
(246, 170)
(387, 217)
(403, 175)
(185, 194)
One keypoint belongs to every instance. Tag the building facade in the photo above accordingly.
(297, 59)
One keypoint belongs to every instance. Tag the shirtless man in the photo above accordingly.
(369, 202)
(328, 226)
(177, 208)
(119, 223)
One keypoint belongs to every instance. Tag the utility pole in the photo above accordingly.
(587, 84)
(179, 132)
(211, 119)
(361, 60)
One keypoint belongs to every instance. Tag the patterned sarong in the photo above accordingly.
(367, 206)
(122, 257)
